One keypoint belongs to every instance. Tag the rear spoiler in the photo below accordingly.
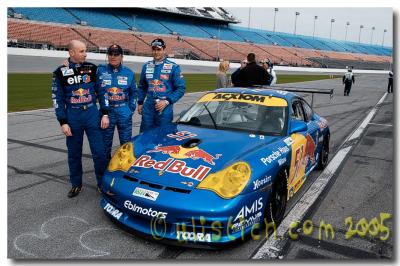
(303, 90)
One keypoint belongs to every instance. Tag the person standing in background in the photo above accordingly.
(222, 77)
(390, 83)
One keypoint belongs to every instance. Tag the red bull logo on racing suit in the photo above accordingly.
(115, 94)
(81, 96)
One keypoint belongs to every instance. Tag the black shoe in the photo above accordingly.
(74, 192)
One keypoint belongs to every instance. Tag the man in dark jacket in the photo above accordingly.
(252, 74)
(390, 83)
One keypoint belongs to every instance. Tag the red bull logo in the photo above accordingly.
(115, 90)
(81, 92)
(195, 153)
(310, 149)
(173, 166)
(157, 85)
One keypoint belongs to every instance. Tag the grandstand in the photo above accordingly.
(191, 33)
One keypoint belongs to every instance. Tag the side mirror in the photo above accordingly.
(297, 126)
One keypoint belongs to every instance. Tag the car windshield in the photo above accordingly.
(256, 114)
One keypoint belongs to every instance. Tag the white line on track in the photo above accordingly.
(273, 246)
(381, 125)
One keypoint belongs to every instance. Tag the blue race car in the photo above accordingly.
(225, 168)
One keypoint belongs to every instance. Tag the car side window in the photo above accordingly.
(308, 112)
(297, 111)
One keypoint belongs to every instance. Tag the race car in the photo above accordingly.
(226, 167)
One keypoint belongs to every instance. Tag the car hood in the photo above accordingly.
(163, 156)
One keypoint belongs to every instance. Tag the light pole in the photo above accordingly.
(276, 10)
(347, 25)
(372, 34)
(249, 17)
(330, 32)
(359, 34)
(295, 21)
(383, 38)
(313, 33)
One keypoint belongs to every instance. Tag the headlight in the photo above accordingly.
(229, 182)
(123, 158)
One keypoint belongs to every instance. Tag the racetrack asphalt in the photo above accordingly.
(43, 223)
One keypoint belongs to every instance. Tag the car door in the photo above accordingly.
(311, 155)
(299, 145)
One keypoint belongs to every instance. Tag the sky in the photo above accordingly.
(380, 18)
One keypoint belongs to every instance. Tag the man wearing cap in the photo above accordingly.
(74, 99)
(117, 85)
(161, 85)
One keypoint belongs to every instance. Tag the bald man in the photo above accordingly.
(74, 99)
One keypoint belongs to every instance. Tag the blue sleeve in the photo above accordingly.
(178, 86)
(57, 95)
(143, 86)
(133, 94)
(101, 93)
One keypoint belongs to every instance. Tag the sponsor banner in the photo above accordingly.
(244, 98)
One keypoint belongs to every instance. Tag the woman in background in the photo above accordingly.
(222, 77)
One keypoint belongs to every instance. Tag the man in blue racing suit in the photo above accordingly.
(117, 85)
(74, 100)
(161, 85)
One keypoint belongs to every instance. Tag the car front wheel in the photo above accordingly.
(276, 207)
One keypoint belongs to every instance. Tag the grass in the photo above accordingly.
(33, 91)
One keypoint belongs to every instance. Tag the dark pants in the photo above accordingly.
(347, 88)
(390, 87)
(88, 121)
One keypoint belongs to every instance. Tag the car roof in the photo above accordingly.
(260, 91)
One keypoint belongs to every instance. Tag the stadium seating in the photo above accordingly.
(186, 37)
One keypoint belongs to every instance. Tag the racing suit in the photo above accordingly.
(74, 100)
(159, 80)
(118, 88)
(348, 80)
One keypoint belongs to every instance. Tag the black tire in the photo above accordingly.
(276, 204)
(324, 156)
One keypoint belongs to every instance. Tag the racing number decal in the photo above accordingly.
(297, 165)
(181, 135)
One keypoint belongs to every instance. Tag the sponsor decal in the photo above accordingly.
(244, 223)
(86, 78)
(167, 66)
(262, 137)
(181, 76)
(261, 182)
(288, 141)
(66, 71)
(252, 136)
(54, 88)
(310, 150)
(274, 155)
(122, 78)
(192, 236)
(282, 92)
(157, 86)
(150, 70)
(234, 96)
(149, 76)
(189, 184)
(164, 76)
(114, 212)
(74, 79)
(106, 82)
(244, 98)
(281, 161)
(53, 96)
(83, 95)
(55, 104)
(145, 193)
(115, 94)
(165, 71)
(181, 135)
(105, 76)
(246, 211)
(122, 82)
(144, 211)
(150, 65)
(173, 166)
(195, 153)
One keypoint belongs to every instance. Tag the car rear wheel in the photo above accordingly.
(323, 158)
(277, 199)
